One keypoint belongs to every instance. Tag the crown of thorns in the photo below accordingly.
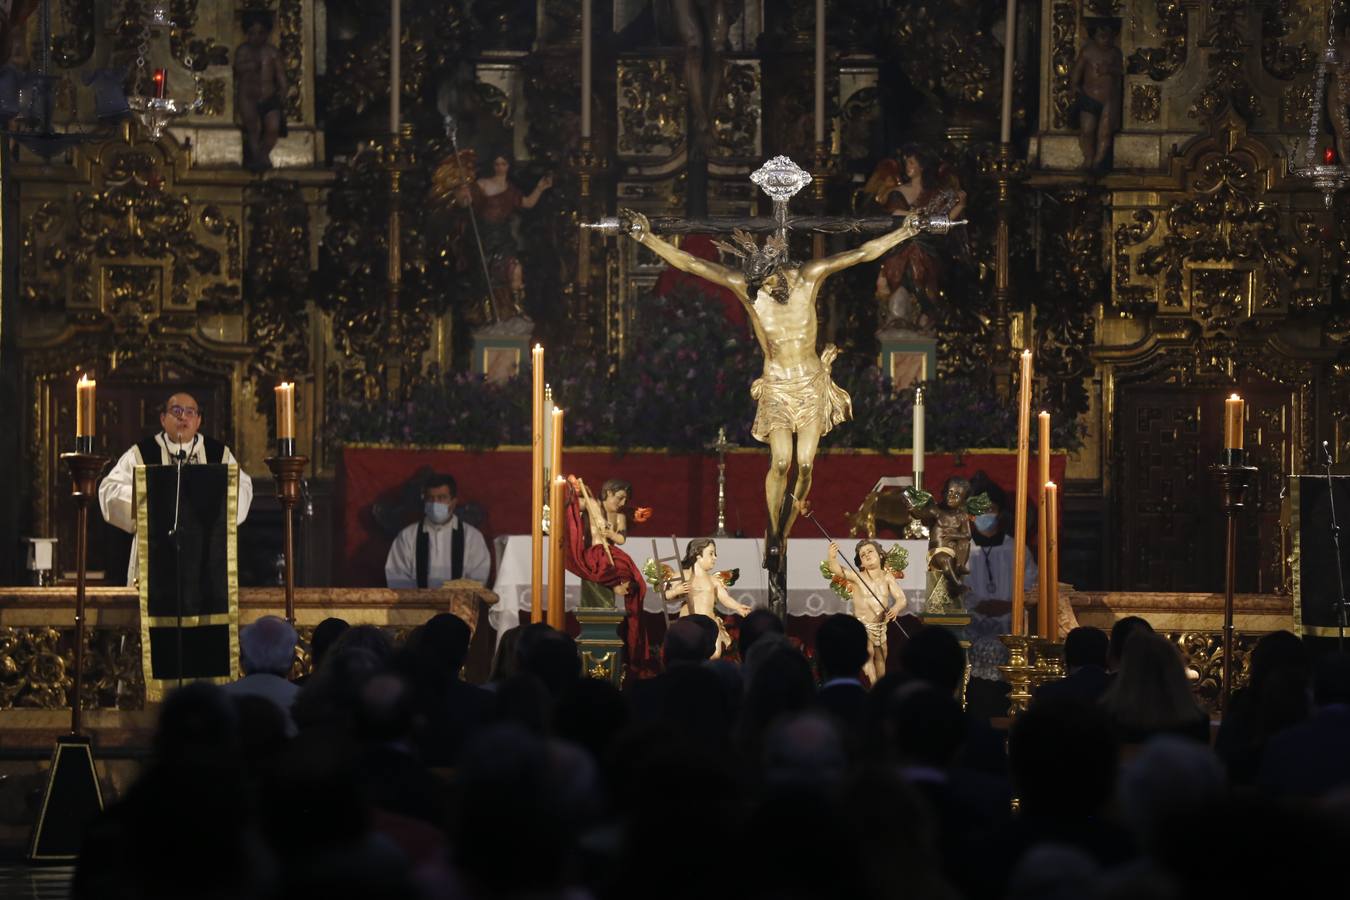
(746, 247)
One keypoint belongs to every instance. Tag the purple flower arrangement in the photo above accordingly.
(688, 375)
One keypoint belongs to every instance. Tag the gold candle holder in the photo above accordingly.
(1018, 671)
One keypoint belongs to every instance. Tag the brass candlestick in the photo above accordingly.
(85, 469)
(1018, 671)
(286, 472)
(1004, 168)
(1233, 477)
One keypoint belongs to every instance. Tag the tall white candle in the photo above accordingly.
(1009, 51)
(585, 68)
(820, 71)
(395, 63)
(918, 438)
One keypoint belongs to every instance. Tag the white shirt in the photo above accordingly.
(400, 568)
(117, 489)
(991, 570)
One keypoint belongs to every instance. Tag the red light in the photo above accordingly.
(161, 78)
(1329, 156)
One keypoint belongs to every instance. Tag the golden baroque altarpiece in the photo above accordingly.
(1196, 266)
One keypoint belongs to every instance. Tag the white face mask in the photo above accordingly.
(437, 512)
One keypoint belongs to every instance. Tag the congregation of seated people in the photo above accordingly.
(775, 773)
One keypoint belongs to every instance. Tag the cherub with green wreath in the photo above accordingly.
(873, 587)
(948, 524)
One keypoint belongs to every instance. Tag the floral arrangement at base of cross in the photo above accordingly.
(689, 374)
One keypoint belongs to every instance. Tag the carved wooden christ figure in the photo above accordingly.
(797, 397)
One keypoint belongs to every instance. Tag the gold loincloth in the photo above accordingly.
(876, 633)
(810, 398)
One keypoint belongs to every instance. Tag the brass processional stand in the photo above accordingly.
(288, 470)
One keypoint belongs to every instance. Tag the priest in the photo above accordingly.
(439, 548)
(179, 440)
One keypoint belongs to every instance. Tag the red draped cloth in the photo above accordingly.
(590, 562)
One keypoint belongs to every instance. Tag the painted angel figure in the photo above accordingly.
(702, 588)
(910, 280)
(873, 589)
(593, 554)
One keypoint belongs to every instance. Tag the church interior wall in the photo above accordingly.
(1195, 265)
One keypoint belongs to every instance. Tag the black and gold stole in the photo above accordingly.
(192, 573)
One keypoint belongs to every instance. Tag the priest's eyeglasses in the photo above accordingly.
(183, 412)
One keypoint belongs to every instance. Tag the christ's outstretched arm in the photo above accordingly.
(685, 262)
(872, 250)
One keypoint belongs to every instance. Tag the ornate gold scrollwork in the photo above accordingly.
(1282, 59)
(74, 49)
(34, 668)
(1063, 37)
(1065, 321)
(278, 282)
(185, 45)
(1222, 220)
(1161, 63)
(1145, 103)
(1228, 84)
(736, 118)
(652, 101)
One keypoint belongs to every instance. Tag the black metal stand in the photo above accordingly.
(72, 797)
(1233, 480)
(1341, 608)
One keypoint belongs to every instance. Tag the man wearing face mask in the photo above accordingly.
(179, 440)
(991, 552)
(439, 548)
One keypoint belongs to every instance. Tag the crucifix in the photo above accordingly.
(798, 400)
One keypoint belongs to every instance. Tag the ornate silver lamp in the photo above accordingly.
(156, 111)
(1329, 175)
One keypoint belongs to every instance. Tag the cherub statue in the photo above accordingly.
(873, 588)
(1097, 78)
(260, 91)
(701, 588)
(949, 538)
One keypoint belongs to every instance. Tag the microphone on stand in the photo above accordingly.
(1326, 452)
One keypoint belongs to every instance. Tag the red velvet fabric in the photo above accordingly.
(590, 562)
(680, 489)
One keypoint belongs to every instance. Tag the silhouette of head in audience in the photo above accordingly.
(934, 655)
(841, 647)
(754, 626)
(926, 726)
(690, 639)
(1085, 646)
(267, 647)
(1120, 633)
(325, 636)
(1052, 780)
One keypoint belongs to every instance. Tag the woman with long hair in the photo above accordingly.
(1151, 695)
